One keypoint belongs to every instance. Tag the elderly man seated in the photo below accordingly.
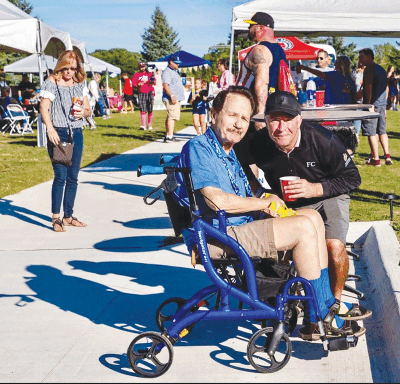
(220, 184)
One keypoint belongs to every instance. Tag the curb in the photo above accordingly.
(381, 254)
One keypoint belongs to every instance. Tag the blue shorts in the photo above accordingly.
(199, 111)
(393, 91)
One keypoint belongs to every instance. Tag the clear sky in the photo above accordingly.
(106, 24)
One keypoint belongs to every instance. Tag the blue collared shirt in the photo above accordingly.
(208, 171)
(173, 79)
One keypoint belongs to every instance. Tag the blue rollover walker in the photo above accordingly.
(150, 354)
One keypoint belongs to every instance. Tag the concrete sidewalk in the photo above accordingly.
(72, 302)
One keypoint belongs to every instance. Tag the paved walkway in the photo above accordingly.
(71, 303)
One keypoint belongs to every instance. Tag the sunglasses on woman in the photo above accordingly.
(67, 69)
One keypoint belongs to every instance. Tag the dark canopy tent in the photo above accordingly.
(188, 60)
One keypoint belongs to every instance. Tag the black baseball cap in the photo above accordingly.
(141, 64)
(261, 18)
(282, 101)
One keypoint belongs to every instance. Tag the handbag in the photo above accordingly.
(62, 153)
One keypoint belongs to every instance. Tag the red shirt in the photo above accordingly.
(143, 77)
(128, 90)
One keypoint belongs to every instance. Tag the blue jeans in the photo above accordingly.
(101, 106)
(65, 181)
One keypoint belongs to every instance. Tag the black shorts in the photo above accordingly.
(128, 97)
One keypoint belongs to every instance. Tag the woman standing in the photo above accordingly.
(340, 86)
(393, 88)
(57, 92)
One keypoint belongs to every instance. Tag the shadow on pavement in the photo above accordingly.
(150, 223)
(24, 214)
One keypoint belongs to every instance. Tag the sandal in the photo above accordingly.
(356, 312)
(73, 223)
(58, 225)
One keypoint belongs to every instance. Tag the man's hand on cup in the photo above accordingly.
(302, 188)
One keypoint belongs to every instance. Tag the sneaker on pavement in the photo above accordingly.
(375, 163)
(169, 140)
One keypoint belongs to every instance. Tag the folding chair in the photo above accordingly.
(5, 121)
(16, 115)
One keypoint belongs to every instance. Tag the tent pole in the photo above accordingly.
(232, 46)
(41, 128)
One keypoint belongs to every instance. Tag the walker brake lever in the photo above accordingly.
(168, 185)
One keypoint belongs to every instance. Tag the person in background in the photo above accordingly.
(227, 78)
(173, 94)
(358, 74)
(94, 93)
(23, 86)
(144, 81)
(340, 86)
(198, 99)
(374, 92)
(6, 100)
(393, 88)
(57, 92)
(128, 94)
(3, 83)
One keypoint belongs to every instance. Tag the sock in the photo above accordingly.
(387, 156)
(150, 119)
(143, 119)
(326, 286)
(319, 288)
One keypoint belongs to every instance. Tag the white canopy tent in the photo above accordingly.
(30, 65)
(364, 18)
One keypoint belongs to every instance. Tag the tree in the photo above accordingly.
(120, 57)
(23, 4)
(159, 39)
(386, 54)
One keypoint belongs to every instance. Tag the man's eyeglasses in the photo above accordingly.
(320, 58)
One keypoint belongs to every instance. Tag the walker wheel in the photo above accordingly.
(258, 356)
(167, 309)
(150, 354)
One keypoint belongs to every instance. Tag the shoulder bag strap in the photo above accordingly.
(66, 116)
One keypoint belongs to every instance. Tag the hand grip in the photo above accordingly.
(149, 170)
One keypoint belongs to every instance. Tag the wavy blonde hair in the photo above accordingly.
(65, 60)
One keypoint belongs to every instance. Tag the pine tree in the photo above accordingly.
(159, 39)
(23, 4)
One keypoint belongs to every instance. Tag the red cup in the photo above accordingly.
(284, 181)
(319, 98)
(26, 101)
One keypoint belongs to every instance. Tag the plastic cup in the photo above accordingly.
(319, 98)
(284, 181)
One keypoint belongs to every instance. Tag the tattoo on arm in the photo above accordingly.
(256, 58)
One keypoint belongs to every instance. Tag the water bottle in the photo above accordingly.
(311, 91)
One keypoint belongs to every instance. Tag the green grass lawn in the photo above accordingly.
(366, 202)
(24, 165)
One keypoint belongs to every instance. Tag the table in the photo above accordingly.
(336, 114)
(337, 107)
(115, 102)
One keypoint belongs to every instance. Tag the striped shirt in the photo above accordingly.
(58, 117)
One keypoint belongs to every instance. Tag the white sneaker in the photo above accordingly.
(142, 128)
(105, 117)
(150, 128)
